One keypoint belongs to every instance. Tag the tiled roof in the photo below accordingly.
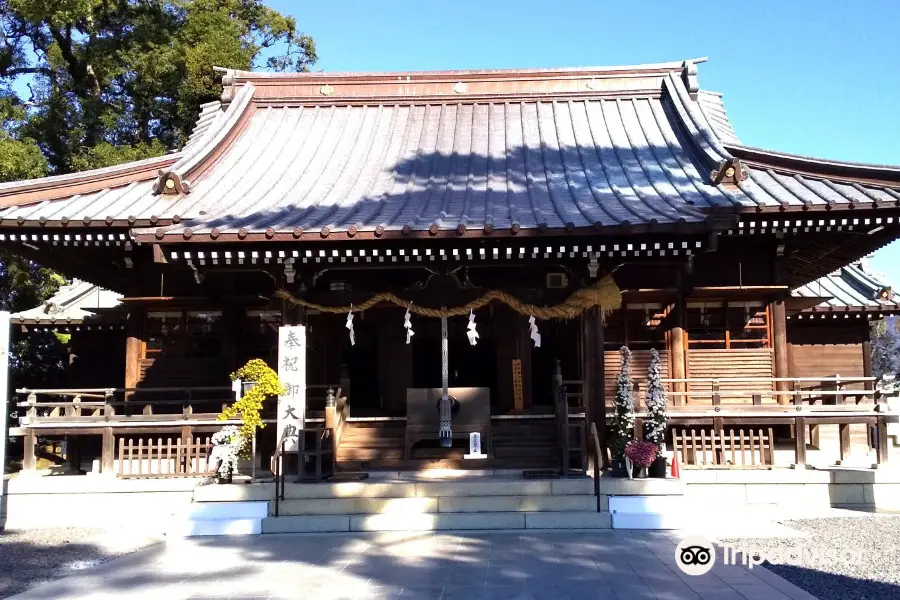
(75, 303)
(854, 287)
(452, 152)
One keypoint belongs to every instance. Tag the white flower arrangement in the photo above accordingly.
(655, 426)
(623, 418)
(227, 445)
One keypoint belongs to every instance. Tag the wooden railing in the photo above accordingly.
(760, 390)
(119, 405)
(755, 449)
(164, 458)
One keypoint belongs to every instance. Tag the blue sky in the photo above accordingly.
(820, 78)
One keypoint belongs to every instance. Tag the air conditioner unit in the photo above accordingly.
(556, 281)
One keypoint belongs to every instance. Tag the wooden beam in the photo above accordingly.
(779, 331)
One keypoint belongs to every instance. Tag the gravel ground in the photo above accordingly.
(34, 556)
(847, 558)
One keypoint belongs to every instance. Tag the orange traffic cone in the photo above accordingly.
(676, 470)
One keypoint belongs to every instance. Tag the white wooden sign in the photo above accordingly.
(292, 373)
(474, 446)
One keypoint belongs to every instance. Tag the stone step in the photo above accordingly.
(447, 504)
(437, 521)
(440, 489)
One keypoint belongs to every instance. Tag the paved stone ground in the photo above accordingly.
(33, 556)
(615, 565)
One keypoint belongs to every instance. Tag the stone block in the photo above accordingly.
(648, 521)
(234, 492)
(846, 494)
(621, 486)
(337, 506)
(483, 488)
(351, 489)
(581, 485)
(198, 511)
(647, 504)
(717, 493)
(516, 503)
(306, 524)
(568, 520)
(208, 527)
(437, 521)
(788, 495)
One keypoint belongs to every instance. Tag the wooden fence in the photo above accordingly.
(164, 458)
(711, 448)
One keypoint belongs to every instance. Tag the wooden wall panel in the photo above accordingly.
(736, 362)
(825, 360)
(640, 362)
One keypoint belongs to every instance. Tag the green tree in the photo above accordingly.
(111, 81)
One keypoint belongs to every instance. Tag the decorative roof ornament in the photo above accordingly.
(689, 76)
(460, 88)
(729, 171)
(326, 90)
(170, 183)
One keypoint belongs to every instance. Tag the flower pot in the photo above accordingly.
(618, 468)
(658, 468)
(224, 479)
(638, 472)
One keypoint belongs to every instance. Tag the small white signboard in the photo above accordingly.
(475, 446)
(292, 373)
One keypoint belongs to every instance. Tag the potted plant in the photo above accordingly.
(228, 443)
(258, 383)
(655, 425)
(623, 418)
(641, 454)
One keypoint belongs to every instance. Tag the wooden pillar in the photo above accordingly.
(800, 438)
(107, 451)
(882, 451)
(678, 354)
(28, 458)
(844, 436)
(594, 380)
(779, 333)
(134, 343)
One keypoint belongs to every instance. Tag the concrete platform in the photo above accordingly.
(482, 521)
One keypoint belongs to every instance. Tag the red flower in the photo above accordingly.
(641, 453)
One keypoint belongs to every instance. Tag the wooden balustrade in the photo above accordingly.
(164, 458)
(718, 448)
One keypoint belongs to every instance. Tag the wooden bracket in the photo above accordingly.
(729, 171)
(170, 183)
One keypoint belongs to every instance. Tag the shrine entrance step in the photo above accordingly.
(418, 502)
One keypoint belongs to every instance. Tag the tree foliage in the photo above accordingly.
(885, 337)
(89, 83)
